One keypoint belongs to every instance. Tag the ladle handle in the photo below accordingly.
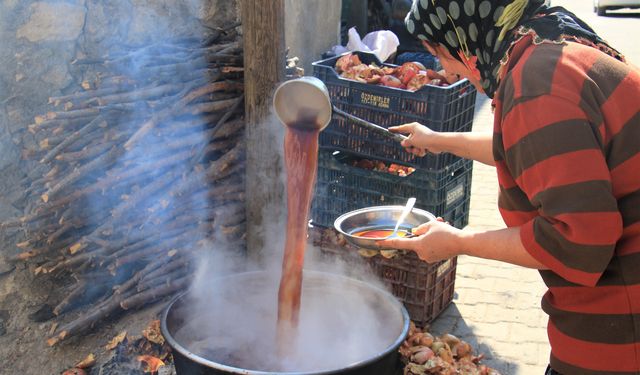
(371, 126)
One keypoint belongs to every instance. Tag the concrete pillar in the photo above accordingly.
(311, 28)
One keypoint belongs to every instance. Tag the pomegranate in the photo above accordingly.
(347, 61)
(418, 81)
(391, 81)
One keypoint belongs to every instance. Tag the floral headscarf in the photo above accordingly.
(479, 33)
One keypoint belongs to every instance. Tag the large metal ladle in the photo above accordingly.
(305, 103)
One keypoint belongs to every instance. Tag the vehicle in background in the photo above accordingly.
(601, 6)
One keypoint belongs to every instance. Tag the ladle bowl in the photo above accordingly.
(303, 103)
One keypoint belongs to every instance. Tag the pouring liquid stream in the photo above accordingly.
(301, 161)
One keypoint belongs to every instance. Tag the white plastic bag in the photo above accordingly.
(382, 43)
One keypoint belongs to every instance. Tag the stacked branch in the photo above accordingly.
(136, 172)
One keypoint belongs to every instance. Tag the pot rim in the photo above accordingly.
(235, 370)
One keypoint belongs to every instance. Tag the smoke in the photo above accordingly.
(137, 161)
(149, 188)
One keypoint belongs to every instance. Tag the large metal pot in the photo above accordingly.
(335, 296)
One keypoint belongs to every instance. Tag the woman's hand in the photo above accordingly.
(435, 241)
(421, 139)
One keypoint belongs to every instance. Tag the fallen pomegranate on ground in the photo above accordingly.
(425, 354)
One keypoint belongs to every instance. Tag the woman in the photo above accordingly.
(566, 146)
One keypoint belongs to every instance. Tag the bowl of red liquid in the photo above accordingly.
(366, 226)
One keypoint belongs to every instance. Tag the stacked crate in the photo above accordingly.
(441, 183)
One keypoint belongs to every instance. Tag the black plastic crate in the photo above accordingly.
(448, 109)
(425, 289)
(341, 188)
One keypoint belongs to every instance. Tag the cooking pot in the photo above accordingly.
(326, 294)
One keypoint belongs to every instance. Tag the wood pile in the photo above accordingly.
(135, 173)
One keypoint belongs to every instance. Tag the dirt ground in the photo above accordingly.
(23, 347)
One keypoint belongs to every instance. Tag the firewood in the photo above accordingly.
(99, 121)
(228, 86)
(77, 259)
(176, 108)
(88, 112)
(107, 158)
(169, 143)
(167, 238)
(150, 267)
(141, 94)
(181, 68)
(144, 193)
(164, 279)
(59, 232)
(75, 294)
(157, 250)
(86, 153)
(209, 107)
(229, 214)
(151, 295)
(16, 222)
(104, 82)
(84, 322)
(120, 175)
(85, 95)
(236, 232)
(191, 124)
(175, 263)
(23, 256)
(36, 251)
(226, 189)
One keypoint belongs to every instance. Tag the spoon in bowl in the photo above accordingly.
(405, 211)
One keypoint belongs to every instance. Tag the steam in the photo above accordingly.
(234, 323)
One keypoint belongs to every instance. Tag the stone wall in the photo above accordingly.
(39, 41)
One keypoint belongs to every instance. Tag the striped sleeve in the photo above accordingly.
(555, 156)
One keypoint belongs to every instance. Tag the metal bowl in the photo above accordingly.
(377, 218)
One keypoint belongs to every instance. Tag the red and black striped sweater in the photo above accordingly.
(567, 150)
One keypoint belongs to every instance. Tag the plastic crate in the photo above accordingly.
(341, 188)
(448, 109)
(425, 289)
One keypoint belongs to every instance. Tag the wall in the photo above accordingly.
(39, 40)
(311, 28)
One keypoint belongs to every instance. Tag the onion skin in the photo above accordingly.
(445, 354)
(422, 356)
(437, 345)
(426, 340)
(450, 339)
(462, 349)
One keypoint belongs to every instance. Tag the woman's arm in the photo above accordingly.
(468, 145)
(437, 241)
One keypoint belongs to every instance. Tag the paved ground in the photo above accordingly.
(497, 306)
